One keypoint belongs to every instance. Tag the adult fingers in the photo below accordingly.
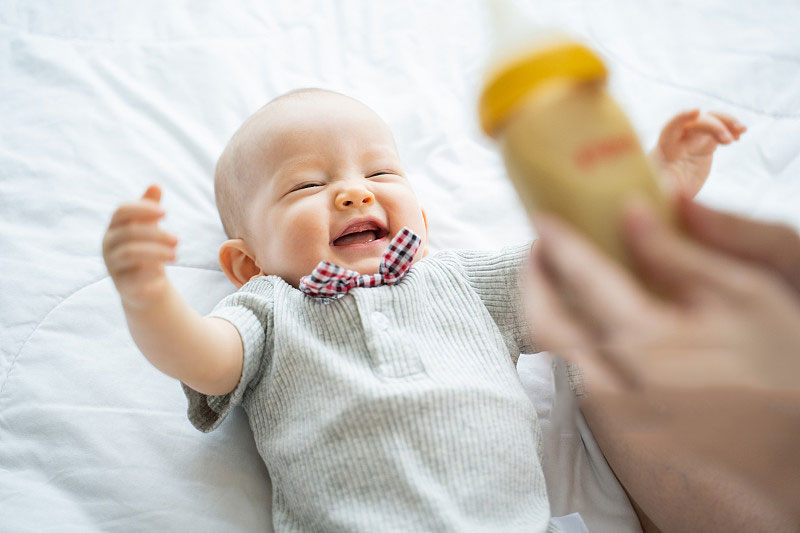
(774, 245)
(553, 326)
(557, 331)
(604, 295)
(674, 262)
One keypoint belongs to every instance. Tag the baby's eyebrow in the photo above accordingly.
(296, 164)
(382, 153)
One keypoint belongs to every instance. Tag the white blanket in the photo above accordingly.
(99, 99)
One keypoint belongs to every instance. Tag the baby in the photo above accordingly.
(380, 384)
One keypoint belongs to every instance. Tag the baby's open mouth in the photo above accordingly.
(360, 233)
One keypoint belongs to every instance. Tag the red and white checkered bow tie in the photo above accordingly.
(332, 281)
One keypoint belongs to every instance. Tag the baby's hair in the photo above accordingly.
(231, 185)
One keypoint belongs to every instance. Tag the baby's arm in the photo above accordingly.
(204, 353)
(686, 147)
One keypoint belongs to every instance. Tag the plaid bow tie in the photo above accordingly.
(332, 281)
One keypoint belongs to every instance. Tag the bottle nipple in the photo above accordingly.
(513, 31)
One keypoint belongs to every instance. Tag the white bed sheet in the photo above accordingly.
(99, 99)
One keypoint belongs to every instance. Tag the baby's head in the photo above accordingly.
(313, 175)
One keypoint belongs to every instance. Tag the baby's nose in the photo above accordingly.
(354, 197)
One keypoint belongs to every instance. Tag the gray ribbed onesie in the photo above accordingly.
(393, 408)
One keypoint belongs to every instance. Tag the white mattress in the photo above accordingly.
(99, 99)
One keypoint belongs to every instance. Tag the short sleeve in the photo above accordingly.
(495, 277)
(250, 310)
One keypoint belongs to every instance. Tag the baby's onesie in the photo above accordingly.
(393, 408)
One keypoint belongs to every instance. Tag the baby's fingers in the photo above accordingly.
(137, 232)
(141, 210)
(146, 208)
(673, 130)
(711, 125)
(735, 127)
(136, 254)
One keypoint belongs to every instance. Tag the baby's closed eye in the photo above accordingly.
(385, 174)
(306, 186)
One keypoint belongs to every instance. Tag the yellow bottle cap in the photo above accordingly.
(515, 78)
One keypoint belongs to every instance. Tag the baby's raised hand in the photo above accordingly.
(686, 147)
(136, 250)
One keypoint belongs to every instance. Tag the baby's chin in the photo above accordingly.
(365, 265)
(362, 258)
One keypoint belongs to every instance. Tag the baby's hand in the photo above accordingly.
(686, 147)
(135, 250)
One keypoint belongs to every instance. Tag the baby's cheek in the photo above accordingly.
(416, 222)
(404, 210)
(305, 241)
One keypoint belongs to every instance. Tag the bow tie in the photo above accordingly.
(332, 281)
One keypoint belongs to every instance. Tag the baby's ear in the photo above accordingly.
(237, 262)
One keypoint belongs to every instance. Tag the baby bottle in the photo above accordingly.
(568, 147)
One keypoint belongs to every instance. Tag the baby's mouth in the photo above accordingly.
(359, 237)
(360, 233)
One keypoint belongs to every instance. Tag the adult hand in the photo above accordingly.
(722, 309)
(693, 369)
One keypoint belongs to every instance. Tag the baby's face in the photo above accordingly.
(329, 186)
